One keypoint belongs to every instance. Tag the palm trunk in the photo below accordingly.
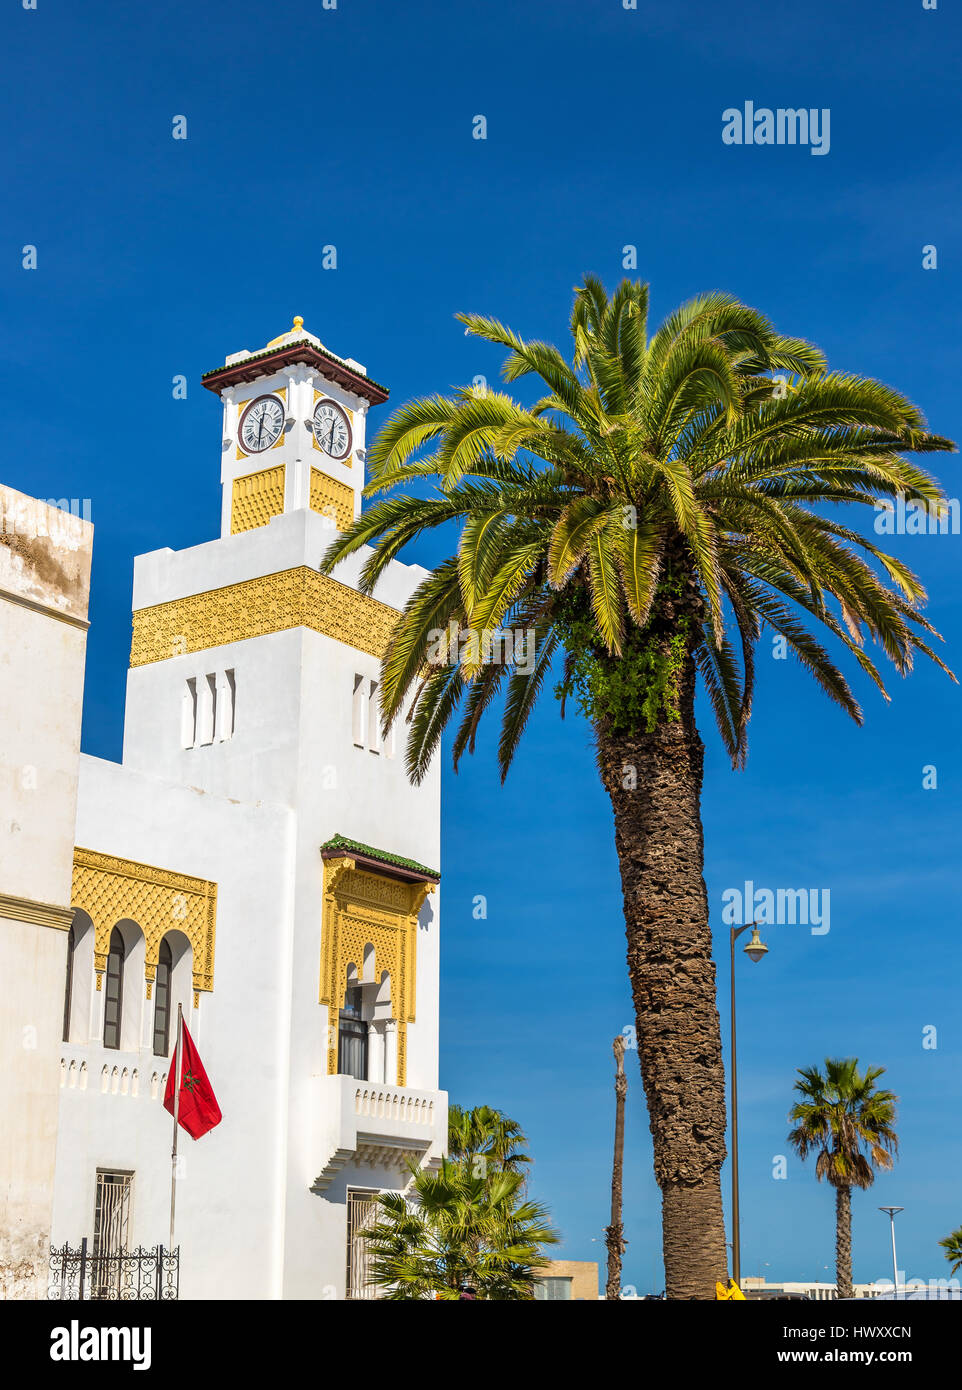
(843, 1242)
(654, 781)
(614, 1234)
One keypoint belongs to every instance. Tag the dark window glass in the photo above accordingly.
(68, 986)
(352, 1037)
(114, 988)
(162, 1000)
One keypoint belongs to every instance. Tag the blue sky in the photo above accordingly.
(352, 127)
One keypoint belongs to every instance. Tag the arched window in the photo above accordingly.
(68, 986)
(114, 987)
(352, 1036)
(165, 965)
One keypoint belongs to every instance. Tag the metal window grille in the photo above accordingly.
(111, 1223)
(361, 1215)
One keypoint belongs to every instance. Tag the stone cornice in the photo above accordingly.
(45, 609)
(40, 914)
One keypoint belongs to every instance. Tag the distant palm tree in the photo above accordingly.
(665, 501)
(953, 1249)
(615, 1232)
(840, 1114)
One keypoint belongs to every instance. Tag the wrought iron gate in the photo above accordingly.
(141, 1275)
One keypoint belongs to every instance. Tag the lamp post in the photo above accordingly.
(756, 950)
(895, 1264)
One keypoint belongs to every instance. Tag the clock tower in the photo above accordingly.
(293, 432)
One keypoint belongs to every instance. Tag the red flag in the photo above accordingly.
(198, 1110)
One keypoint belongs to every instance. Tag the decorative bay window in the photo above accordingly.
(372, 902)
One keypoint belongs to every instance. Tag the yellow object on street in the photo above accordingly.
(732, 1293)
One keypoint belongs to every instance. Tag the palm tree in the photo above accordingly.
(484, 1136)
(615, 1234)
(645, 520)
(952, 1245)
(469, 1223)
(840, 1114)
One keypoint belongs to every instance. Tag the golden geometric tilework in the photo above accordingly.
(294, 598)
(329, 497)
(255, 498)
(362, 908)
(112, 890)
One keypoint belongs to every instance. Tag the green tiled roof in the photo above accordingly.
(341, 844)
(301, 342)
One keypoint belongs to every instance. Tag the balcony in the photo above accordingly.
(369, 1122)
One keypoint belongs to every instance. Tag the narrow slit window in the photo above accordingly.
(358, 713)
(374, 718)
(225, 699)
(188, 715)
(206, 708)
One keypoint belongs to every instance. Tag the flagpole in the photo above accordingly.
(178, 1073)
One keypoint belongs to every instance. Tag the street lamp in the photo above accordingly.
(895, 1264)
(756, 950)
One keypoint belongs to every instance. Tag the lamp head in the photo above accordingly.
(756, 948)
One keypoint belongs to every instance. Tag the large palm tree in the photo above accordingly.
(952, 1245)
(642, 522)
(850, 1124)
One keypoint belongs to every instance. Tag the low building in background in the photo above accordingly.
(567, 1279)
(755, 1286)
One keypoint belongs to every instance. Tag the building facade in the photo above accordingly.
(259, 858)
(44, 583)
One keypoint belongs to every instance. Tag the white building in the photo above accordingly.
(259, 857)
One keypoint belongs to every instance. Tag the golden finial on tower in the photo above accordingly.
(298, 326)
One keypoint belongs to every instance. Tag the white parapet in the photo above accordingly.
(365, 1122)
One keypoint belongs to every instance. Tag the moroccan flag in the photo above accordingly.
(198, 1110)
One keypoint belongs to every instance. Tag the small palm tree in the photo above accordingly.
(467, 1224)
(485, 1136)
(952, 1245)
(849, 1124)
(665, 500)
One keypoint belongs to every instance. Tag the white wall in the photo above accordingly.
(229, 1197)
(44, 583)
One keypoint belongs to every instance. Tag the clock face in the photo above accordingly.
(261, 424)
(332, 430)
